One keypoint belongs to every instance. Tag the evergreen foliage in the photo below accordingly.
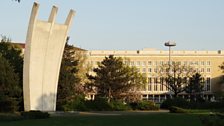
(10, 90)
(69, 83)
(12, 54)
(114, 80)
(195, 86)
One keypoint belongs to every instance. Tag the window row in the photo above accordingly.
(159, 84)
(156, 70)
(156, 63)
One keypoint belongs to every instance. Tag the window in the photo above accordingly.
(149, 63)
(138, 63)
(197, 70)
(126, 62)
(208, 70)
(202, 63)
(202, 70)
(132, 63)
(155, 70)
(161, 63)
(208, 83)
(149, 70)
(144, 63)
(208, 63)
(161, 87)
(149, 87)
(196, 62)
(150, 80)
(155, 87)
(155, 63)
(143, 70)
(155, 80)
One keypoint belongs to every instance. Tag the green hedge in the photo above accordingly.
(174, 109)
(101, 104)
(144, 105)
(35, 115)
(180, 102)
(7, 104)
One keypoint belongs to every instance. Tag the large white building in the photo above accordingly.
(148, 61)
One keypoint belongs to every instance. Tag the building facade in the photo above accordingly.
(148, 62)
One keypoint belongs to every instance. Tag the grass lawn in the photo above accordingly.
(150, 119)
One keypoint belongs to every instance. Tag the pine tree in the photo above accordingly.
(195, 86)
(114, 80)
(69, 83)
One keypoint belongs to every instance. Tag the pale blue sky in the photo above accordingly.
(126, 24)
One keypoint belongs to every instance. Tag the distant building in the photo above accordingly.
(147, 62)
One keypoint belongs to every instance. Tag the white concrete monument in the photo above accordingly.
(43, 54)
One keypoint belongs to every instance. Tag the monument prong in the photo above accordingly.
(69, 18)
(53, 14)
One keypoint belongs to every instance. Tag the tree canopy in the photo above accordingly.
(176, 76)
(69, 82)
(114, 80)
(9, 80)
(195, 85)
(13, 54)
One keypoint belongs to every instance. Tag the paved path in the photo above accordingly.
(105, 113)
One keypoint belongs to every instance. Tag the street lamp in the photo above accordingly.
(170, 44)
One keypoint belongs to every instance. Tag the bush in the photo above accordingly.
(179, 102)
(144, 105)
(174, 109)
(35, 115)
(98, 104)
(119, 106)
(77, 103)
(7, 104)
(9, 117)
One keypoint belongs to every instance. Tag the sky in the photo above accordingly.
(126, 24)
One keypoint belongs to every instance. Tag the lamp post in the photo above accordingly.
(170, 44)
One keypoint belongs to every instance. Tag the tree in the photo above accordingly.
(13, 54)
(175, 76)
(9, 80)
(195, 86)
(114, 80)
(69, 83)
(10, 89)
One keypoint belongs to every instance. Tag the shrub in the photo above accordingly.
(7, 104)
(179, 102)
(144, 105)
(35, 115)
(77, 103)
(119, 106)
(9, 117)
(174, 109)
(98, 104)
